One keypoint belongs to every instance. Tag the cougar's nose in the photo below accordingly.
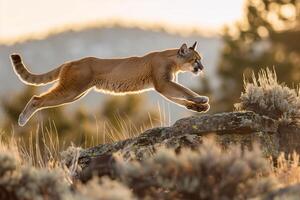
(200, 66)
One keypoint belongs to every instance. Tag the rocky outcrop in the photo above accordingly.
(240, 125)
(228, 128)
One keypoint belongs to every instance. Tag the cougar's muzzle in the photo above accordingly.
(198, 67)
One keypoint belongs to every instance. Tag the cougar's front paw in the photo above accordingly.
(198, 107)
(199, 100)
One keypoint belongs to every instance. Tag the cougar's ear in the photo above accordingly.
(183, 50)
(194, 46)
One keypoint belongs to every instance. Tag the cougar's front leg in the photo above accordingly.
(190, 105)
(181, 95)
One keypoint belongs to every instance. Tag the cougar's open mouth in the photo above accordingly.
(196, 70)
(198, 67)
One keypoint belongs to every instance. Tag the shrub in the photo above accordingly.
(17, 182)
(104, 189)
(208, 173)
(265, 96)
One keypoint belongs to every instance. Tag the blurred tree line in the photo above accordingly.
(117, 118)
(268, 36)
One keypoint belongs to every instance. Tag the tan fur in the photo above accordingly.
(155, 70)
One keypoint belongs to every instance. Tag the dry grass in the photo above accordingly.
(127, 129)
(287, 170)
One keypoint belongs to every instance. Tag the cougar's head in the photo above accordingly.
(190, 60)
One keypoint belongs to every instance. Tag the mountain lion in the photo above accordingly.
(156, 70)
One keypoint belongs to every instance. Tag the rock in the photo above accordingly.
(289, 138)
(242, 128)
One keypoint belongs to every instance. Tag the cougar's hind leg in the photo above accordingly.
(67, 91)
(56, 97)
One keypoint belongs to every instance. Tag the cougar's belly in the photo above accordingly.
(124, 86)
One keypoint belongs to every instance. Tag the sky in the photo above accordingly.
(26, 18)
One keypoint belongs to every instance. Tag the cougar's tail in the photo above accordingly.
(30, 78)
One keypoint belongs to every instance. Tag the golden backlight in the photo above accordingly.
(32, 18)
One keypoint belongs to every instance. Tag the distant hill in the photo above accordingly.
(43, 55)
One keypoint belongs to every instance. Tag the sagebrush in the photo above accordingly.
(266, 96)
